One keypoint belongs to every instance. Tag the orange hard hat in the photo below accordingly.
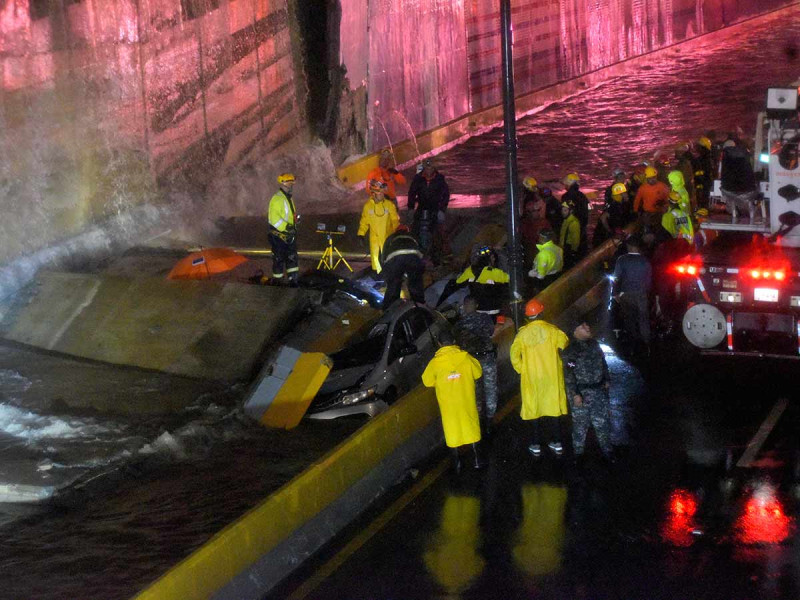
(533, 307)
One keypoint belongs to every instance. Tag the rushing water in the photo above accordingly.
(169, 486)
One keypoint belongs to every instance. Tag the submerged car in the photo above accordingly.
(372, 372)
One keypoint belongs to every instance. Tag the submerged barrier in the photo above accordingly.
(253, 554)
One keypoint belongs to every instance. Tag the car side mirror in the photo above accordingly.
(408, 350)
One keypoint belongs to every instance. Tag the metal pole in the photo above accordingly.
(510, 139)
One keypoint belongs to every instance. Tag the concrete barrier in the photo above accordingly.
(199, 329)
(250, 556)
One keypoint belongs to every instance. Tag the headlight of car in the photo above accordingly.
(354, 397)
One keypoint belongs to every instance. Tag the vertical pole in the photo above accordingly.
(510, 139)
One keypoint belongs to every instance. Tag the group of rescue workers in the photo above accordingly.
(665, 200)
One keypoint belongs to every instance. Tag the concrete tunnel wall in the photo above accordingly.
(414, 65)
(108, 104)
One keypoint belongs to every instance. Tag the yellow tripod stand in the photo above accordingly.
(326, 262)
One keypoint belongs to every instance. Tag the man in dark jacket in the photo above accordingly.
(587, 382)
(739, 188)
(633, 278)
(428, 197)
(401, 257)
(552, 209)
(474, 332)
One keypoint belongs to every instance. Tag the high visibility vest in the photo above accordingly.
(678, 224)
(549, 260)
(281, 211)
(488, 276)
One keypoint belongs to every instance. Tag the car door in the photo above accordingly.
(418, 322)
(397, 361)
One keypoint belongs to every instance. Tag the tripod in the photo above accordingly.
(326, 262)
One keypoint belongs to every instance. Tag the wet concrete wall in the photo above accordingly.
(418, 64)
(102, 99)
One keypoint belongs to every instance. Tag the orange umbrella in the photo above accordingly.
(204, 264)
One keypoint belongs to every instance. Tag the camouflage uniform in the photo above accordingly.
(586, 373)
(474, 334)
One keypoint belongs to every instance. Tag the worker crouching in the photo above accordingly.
(401, 259)
(452, 373)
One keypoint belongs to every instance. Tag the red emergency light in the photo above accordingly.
(686, 269)
(767, 274)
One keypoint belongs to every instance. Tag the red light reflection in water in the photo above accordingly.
(679, 523)
(763, 521)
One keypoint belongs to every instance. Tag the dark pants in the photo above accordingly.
(636, 317)
(424, 229)
(595, 411)
(284, 256)
(544, 430)
(393, 272)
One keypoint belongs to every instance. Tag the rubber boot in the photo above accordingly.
(456, 461)
(476, 456)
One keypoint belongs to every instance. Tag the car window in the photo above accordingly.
(418, 323)
(399, 340)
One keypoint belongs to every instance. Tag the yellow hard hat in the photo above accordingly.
(674, 197)
(701, 213)
(286, 178)
(618, 189)
(571, 178)
(650, 172)
(529, 183)
(705, 142)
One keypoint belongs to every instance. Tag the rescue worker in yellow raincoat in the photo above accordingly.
(549, 260)
(452, 372)
(380, 217)
(678, 184)
(535, 356)
(570, 236)
(676, 221)
(283, 231)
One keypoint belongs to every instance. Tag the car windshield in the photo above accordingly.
(365, 352)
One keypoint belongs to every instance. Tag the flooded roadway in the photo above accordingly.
(693, 508)
(115, 542)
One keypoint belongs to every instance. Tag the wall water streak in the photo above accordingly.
(435, 60)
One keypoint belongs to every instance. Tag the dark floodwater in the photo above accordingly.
(112, 544)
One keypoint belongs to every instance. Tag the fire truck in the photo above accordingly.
(741, 291)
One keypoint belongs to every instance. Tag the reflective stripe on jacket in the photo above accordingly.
(281, 211)
(548, 261)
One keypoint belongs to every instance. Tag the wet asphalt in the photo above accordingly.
(691, 508)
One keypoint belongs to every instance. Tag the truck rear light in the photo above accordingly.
(687, 269)
(730, 297)
(768, 274)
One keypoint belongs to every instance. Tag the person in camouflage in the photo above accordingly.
(587, 382)
(474, 332)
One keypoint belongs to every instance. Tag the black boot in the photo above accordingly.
(476, 456)
(456, 461)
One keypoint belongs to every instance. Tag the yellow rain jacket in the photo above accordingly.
(678, 223)
(489, 276)
(535, 356)
(570, 233)
(282, 215)
(679, 185)
(549, 260)
(453, 373)
(381, 219)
